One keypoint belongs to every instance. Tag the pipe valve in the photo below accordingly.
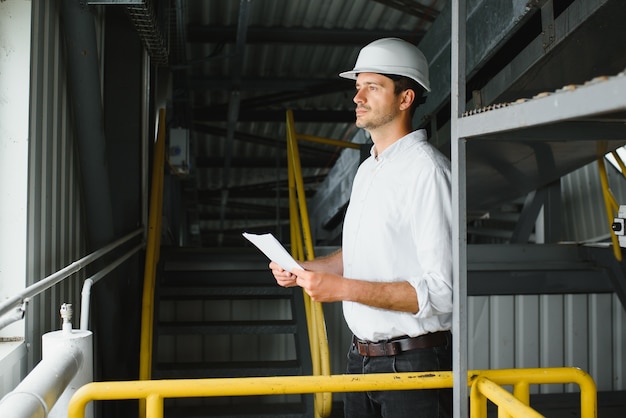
(66, 314)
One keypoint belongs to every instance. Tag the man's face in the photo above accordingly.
(376, 103)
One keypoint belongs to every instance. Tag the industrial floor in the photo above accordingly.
(610, 405)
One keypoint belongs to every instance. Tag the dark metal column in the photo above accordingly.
(84, 85)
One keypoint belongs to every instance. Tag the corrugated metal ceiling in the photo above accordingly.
(244, 64)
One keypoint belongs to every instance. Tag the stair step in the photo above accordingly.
(286, 326)
(225, 292)
(227, 369)
(219, 278)
(239, 259)
(205, 288)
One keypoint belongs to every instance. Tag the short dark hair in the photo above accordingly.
(402, 83)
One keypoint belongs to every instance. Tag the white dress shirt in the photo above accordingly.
(398, 228)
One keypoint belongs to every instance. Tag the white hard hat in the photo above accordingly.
(392, 56)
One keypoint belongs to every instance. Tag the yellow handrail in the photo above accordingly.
(610, 203)
(152, 254)
(154, 391)
(318, 340)
(300, 231)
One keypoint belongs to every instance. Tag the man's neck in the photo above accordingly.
(384, 138)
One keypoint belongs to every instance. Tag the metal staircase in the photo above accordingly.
(219, 313)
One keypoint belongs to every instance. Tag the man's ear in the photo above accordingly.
(407, 97)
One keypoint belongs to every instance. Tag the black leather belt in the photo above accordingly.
(400, 345)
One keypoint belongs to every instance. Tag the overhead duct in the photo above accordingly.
(150, 25)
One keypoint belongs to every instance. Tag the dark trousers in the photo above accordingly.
(424, 403)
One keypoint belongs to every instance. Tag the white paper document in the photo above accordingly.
(273, 249)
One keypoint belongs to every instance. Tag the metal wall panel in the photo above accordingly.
(55, 214)
(585, 331)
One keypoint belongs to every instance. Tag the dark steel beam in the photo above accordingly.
(525, 269)
(201, 115)
(264, 83)
(203, 161)
(243, 210)
(259, 190)
(260, 140)
(413, 7)
(283, 35)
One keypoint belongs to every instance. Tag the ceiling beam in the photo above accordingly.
(203, 161)
(413, 7)
(283, 35)
(243, 210)
(260, 190)
(254, 115)
(279, 143)
(267, 83)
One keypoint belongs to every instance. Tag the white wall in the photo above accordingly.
(14, 93)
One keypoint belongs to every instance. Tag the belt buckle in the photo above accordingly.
(362, 347)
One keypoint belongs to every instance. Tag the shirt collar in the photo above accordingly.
(400, 146)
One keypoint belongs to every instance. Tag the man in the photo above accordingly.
(394, 271)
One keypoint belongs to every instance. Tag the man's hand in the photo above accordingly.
(282, 276)
(320, 286)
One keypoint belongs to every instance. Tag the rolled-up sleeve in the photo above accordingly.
(432, 235)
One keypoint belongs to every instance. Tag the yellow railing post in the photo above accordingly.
(478, 402)
(301, 232)
(152, 255)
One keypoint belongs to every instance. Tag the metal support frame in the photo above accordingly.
(548, 198)
(459, 211)
(495, 269)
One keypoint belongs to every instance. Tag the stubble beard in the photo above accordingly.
(376, 122)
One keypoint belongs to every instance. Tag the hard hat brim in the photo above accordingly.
(353, 74)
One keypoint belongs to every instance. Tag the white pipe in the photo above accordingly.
(85, 303)
(88, 283)
(38, 392)
(71, 340)
(14, 315)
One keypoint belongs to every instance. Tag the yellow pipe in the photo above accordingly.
(521, 390)
(154, 406)
(505, 401)
(328, 141)
(478, 403)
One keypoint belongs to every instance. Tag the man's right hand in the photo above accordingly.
(282, 276)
